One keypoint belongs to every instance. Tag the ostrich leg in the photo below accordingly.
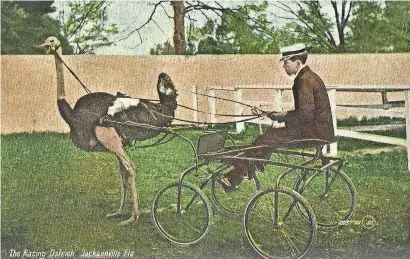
(123, 181)
(112, 141)
(134, 195)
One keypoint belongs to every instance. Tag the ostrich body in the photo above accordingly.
(90, 132)
(90, 108)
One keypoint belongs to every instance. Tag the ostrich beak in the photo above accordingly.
(45, 44)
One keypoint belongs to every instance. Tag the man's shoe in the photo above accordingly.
(227, 185)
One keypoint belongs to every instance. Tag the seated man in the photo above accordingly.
(311, 118)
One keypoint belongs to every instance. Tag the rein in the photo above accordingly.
(72, 72)
(204, 112)
(224, 99)
(250, 117)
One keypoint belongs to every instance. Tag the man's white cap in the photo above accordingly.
(293, 50)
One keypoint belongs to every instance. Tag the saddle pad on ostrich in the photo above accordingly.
(211, 142)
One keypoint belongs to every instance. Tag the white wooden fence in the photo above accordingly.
(278, 104)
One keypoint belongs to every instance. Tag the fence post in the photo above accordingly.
(277, 105)
(277, 101)
(240, 126)
(332, 148)
(195, 103)
(212, 105)
(407, 114)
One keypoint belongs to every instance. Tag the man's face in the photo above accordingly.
(291, 67)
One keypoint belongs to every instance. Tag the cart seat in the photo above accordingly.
(211, 142)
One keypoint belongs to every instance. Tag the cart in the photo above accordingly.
(279, 221)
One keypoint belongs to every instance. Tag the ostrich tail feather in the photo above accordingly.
(65, 111)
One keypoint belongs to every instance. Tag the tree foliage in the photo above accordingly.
(183, 11)
(25, 25)
(243, 31)
(308, 22)
(398, 15)
(165, 49)
(247, 29)
(86, 25)
(352, 26)
(377, 29)
(327, 26)
(235, 30)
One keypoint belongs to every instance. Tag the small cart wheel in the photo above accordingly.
(274, 226)
(331, 194)
(181, 213)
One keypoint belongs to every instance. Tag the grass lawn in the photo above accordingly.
(55, 196)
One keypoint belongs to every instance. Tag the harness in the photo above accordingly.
(152, 111)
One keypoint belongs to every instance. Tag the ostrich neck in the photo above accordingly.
(60, 74)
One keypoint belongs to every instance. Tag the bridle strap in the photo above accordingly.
(252, 117)
(72, 72)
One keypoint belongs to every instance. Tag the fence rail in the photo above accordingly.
(400, 109)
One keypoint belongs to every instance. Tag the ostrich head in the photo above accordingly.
(166, 89)
(52, 43)
(167, 94)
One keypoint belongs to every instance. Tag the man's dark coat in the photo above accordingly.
(312, 117)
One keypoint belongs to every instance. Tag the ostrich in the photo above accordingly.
(90, 130)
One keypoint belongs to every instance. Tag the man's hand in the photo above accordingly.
(277, 116)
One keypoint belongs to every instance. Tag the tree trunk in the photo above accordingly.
(179, 27)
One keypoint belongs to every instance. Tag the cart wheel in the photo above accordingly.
(233, 202)
(181, 213)
(274, 226)
(331, 194)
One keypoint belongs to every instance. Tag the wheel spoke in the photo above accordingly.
(188, 225)
(331, 194)
(291, 236)
(294, 248)
(192, 227)
(295, 238)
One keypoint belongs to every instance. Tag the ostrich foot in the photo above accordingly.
(115, 214)
(131, 220)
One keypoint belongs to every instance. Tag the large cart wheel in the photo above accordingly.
(233, 202)
(182, 213)
(275, 227)
(331, 194)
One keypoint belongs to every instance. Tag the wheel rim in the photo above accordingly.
(331, 195)
(188, 225)
(288, 236)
